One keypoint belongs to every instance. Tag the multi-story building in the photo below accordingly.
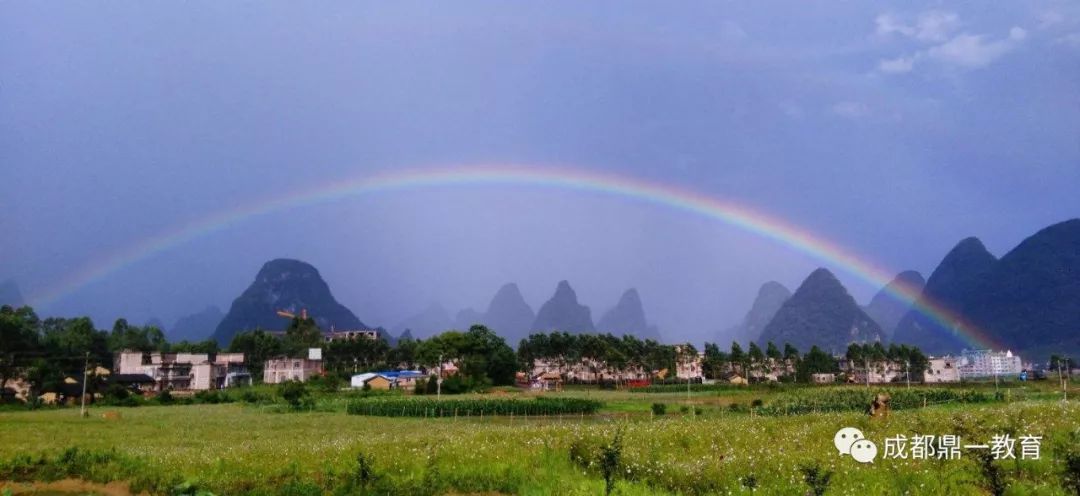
(335, 335)
(942, 369)
(989, 363)
(185, 371)
(687, 365)
(282, 369)
(879, 371)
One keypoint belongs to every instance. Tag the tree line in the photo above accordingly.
(43, 351)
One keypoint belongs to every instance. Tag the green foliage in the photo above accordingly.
(842, 399)
(364, 475)
(611, 462)
(295, 393)
(257, 347)
(993, 478)
(659, 409)
(815, 362)
(208, 346)
(430, 407)
(165, 398)
(129, 337)
(300, 335)
(711, 455)
(817, 478)
(1069, 455)
(483, 358)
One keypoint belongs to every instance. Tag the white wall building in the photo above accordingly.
(989, 363)
(183, 371)
(942, 369)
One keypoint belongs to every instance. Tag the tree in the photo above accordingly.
(295, 393)
(714, 362)
(815, 362)
(790, 352)
(737, 356)
(755, 356)
(257, 347)
(18, 339)
(129, 337)
(208, 346)
(301, 334)
(772, 352)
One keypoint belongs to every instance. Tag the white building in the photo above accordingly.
(183, 371)
(942, 369)
(282, 369)
(989, 363)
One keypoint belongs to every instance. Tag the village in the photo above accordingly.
(153, 372)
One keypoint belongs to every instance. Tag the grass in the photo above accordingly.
(244, 449)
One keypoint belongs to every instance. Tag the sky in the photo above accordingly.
(891, 129)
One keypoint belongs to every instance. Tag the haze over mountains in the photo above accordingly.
(10, 294)
(770, 297)
(197, 326)
(892, 303)
(1027, 301)
(627, 317)
(563, 313)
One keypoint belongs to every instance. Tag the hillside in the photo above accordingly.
(822, 313)
(284, 284)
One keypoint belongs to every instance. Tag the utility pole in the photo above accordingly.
(907, 369)
(1064, 378)
(867, 362)
(86, 365)
(438, 380)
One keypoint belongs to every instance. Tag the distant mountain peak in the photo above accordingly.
(563, 312)
(290, 285)
(627, 317)
(10, 294)
(770, 297)
(894, 301)
(509, 315)
(432, 320)
(821, 313)
(198, 326)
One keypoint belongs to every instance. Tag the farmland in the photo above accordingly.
(702, 445)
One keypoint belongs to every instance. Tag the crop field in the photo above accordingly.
(700, 445)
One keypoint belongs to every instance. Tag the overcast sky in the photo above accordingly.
(893, 130)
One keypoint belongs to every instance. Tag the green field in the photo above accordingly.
(242, 448)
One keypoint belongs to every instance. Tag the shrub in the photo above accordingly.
(857, 399)
(1068, 452)
(816, 478)
(994, 479)
(430, 407)
(684, 409)
(610, 460)
(294, 393)
(364, 475)
(165, 398)
(659, 409)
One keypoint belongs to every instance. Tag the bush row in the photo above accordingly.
(428, 407)
(845, 400)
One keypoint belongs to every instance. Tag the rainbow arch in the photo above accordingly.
(671, 196)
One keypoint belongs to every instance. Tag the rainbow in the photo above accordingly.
(666, 195)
